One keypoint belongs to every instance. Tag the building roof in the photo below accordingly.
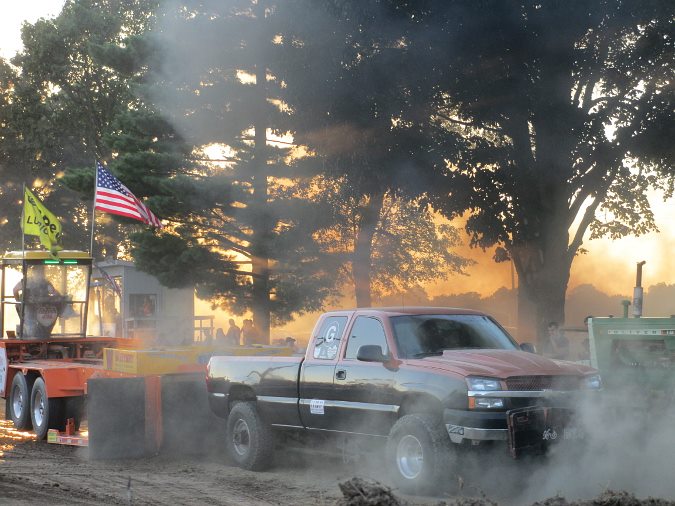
(17, 256)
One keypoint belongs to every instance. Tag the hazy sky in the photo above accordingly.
(609, 265)
(14, 12)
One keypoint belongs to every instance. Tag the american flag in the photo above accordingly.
(115, 198)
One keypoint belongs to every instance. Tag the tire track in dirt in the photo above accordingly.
(35, 472)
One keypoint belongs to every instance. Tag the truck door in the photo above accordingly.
(318, 369)
(364, 394)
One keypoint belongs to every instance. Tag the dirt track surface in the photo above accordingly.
(35, 472)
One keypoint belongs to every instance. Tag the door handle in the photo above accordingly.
(341, 374)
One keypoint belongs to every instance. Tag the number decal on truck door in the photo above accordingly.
(316, 406)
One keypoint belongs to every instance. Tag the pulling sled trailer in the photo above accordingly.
(140, 394)
(45, 356)
(49, 366)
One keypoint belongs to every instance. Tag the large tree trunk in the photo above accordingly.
(260, 304)
(542, 254)
(363, 248)
(543, 275)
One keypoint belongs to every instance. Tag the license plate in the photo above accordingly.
(532, 429)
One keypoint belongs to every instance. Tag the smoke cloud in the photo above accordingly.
(627, 447)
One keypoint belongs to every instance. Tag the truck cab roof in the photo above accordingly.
(408, 310)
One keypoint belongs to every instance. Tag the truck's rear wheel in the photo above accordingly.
(45, 413)
(19, 401)
(250, 442)
(418, 454)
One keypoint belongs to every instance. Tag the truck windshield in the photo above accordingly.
(422, 335)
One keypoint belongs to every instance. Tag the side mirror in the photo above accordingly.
(528, 347)
(371, 353)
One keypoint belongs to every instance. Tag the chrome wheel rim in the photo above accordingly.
(39, 409)
(17, 402)
(241, 437)
(409, 457)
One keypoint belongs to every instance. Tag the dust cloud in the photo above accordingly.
(629, 447)
(626, 448)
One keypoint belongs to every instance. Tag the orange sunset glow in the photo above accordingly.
(609, 265)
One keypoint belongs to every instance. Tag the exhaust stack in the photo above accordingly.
(637, 291)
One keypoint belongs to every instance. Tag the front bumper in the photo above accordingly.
(475, 425)
(487, 425)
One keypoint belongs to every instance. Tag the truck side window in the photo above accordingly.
(366, 330)
(327, 342)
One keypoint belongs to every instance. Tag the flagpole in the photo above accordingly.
(93, 212)
(23, 224)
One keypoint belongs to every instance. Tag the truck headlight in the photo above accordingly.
(593, 382)
(486, 403)
(479, 400)
(483, 384)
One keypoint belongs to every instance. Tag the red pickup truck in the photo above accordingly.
(427, 382)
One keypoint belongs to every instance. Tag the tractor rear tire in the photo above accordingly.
(250, 441)
(19, 401)
(45, 413)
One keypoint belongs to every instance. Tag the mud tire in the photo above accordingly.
(418, 454)
(18, 401)
(45, 413)
(250, 442)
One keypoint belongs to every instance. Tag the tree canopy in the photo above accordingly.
(551, 119)
(339, 128)
(59, 106)
(357, 101)
(214, 82)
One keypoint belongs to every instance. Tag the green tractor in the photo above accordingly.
(636, 356)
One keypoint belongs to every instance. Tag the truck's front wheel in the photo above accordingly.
(250, 442)
(418, 453)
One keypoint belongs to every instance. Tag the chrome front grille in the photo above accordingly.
(530, 383)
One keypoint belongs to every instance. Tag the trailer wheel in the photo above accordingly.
(250, 442)
(19, 401)
(45, 413)
(418, 454)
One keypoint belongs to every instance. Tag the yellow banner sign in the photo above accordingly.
(40, 221)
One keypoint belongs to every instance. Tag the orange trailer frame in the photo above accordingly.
(64, 377)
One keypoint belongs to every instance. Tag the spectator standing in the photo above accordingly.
(250, 333)
(557, 345)
(586, 343)
(247, 332)
(220, 336)
(233, 334)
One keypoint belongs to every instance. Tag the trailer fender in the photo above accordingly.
(63, 381)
